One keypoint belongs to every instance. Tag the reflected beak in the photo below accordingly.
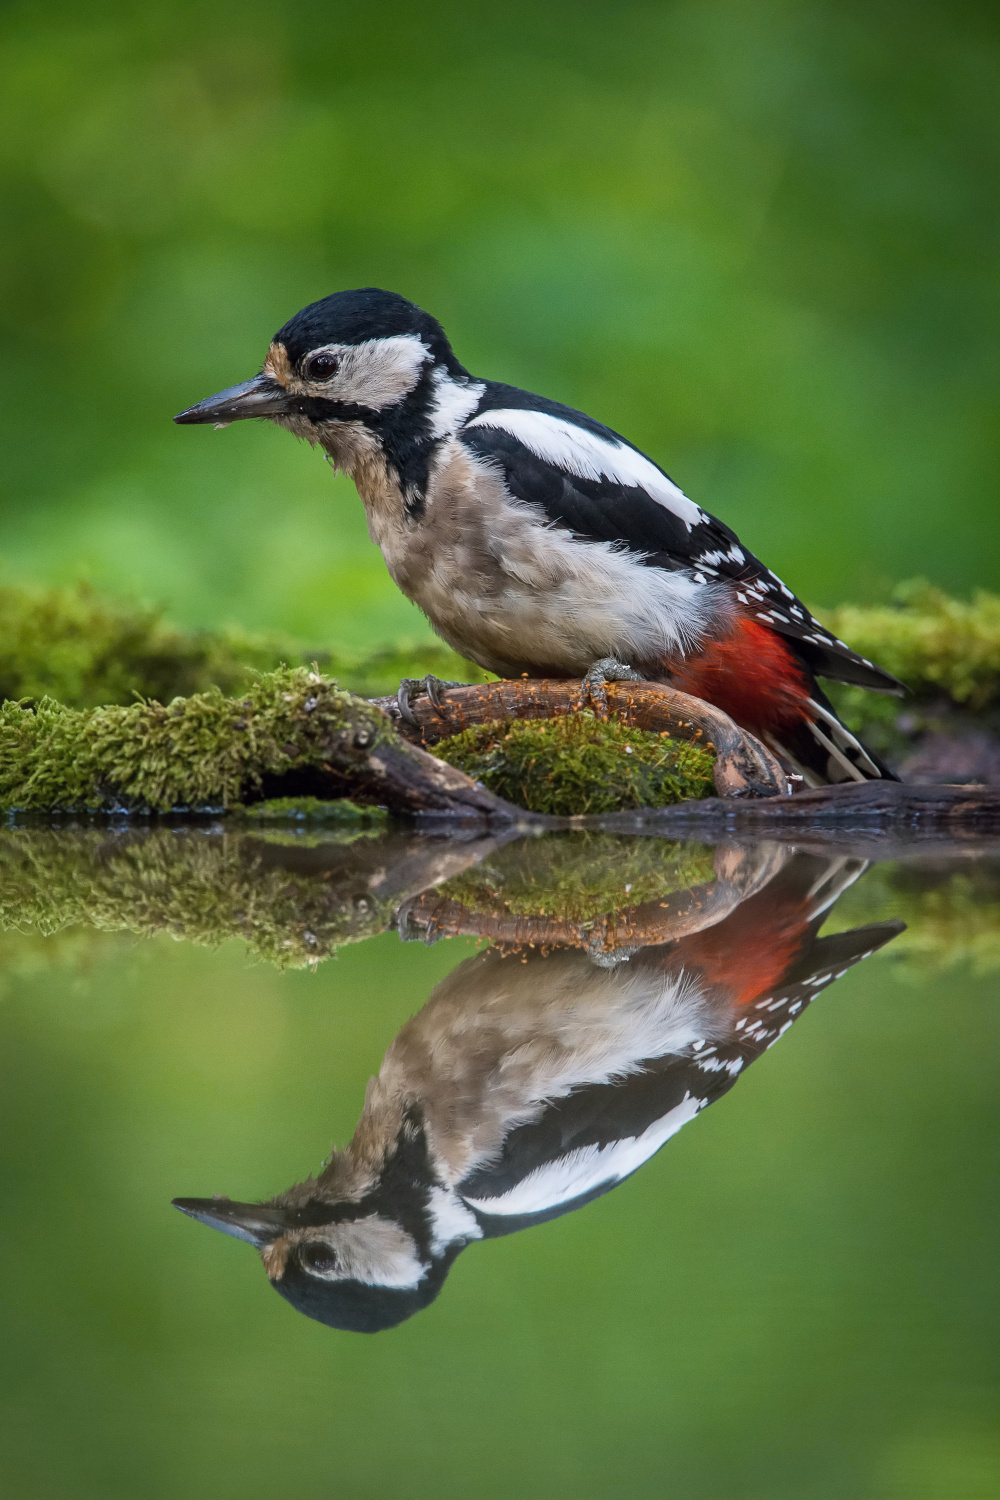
(256, 1223)
(259, 397)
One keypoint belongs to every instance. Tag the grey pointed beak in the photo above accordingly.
(259, 397)
(256, 1223)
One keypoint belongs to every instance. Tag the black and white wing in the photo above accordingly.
(589, 1141)
(590, 480)
(586, 1143)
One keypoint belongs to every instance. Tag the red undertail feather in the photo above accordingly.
(753, 676)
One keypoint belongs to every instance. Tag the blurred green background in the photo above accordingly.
(761, 239)
(758, 238)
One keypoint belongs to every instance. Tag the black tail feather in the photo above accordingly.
(824, 750)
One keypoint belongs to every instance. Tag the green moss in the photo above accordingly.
(931, 642)
(579, 877)
(207, 750)
(946, 651)
(579, 764)
(84, 650)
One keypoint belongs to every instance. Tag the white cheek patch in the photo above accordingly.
(376, 1251)
(375, 374)
(589, 1167)
(585, 454)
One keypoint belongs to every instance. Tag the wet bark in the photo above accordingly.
(400, 776)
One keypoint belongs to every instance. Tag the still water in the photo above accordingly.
(678, 1175)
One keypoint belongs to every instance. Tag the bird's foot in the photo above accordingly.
(413, 687)
(608, 669)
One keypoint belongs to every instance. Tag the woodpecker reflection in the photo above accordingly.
(531, 1083)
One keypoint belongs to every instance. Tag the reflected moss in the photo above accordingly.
(199, 887)
(577, 877)
(299, 818)
(952, 915)
(294, 894)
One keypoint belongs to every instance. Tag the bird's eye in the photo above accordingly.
(318, 1256)
(321, 366)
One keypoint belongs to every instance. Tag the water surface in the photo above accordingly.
(795, 1296)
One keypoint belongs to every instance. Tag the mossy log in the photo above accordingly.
(293, 733)
(743, 766)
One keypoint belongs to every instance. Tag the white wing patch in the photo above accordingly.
(587, 1168)
(585, 454)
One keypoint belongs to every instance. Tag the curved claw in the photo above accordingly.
(407, 688)
(412, 687)
(434, 687)
(608, 669)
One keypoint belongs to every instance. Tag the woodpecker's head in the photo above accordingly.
(357, 364)
(354, 1250)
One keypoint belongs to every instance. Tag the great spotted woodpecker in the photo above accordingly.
(531, 1084)
(537, 540)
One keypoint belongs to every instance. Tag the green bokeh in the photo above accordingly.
(761, 240)
(796, 1298)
